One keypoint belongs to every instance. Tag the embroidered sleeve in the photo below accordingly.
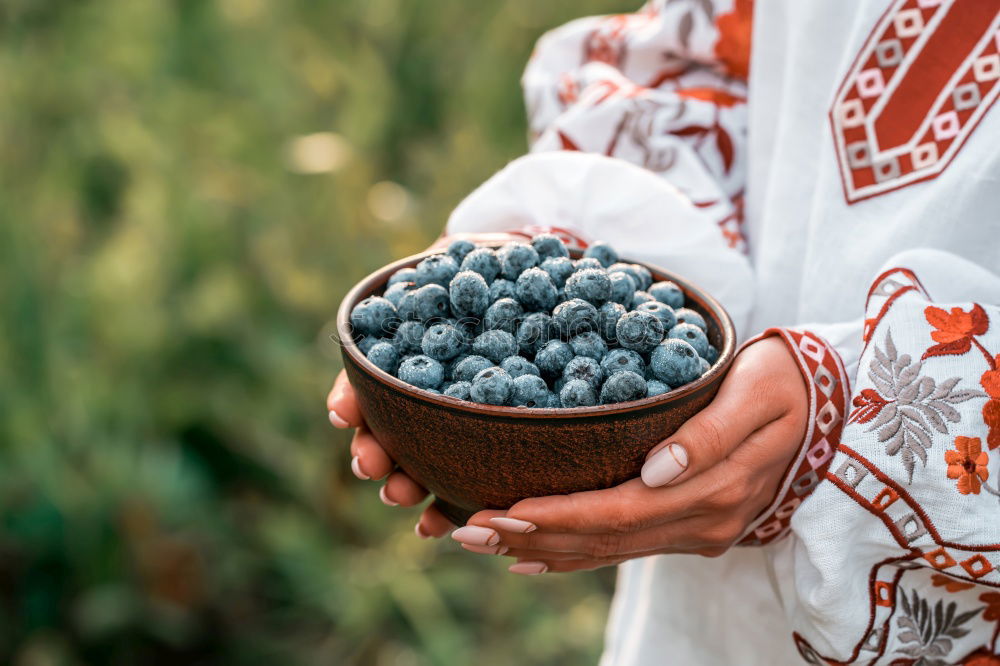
(828, 386)
(895, 556)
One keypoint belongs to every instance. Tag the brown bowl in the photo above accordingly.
(474, 456)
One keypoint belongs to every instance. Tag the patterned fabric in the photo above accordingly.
(829, 390)
(918, 87)
(908, 525)
(663, 88)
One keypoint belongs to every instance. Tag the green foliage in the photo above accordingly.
(171, 258)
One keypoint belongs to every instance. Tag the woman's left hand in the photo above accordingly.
(698, 492)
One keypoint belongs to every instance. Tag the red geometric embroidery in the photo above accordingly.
(883, 593)
(977, 566)
(940, 559)
(885, 498)
(917, 89)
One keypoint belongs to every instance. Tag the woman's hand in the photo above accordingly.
(698, 492)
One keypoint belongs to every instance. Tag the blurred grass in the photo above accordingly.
(186, 189)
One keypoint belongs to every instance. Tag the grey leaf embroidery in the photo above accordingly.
(928, 633)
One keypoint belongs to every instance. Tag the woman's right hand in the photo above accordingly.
(370, 461)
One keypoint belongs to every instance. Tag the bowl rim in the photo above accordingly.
(370, 283)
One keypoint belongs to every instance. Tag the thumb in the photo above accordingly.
(709, 436)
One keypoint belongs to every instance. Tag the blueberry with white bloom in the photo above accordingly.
(366, 343)
(663, 312)
(469, 367)
(589, 343)
(384, 356)
(402, 275)
(639, 297)
(623, 387)
(457, 249)
(704, 366)
(607, 319)
(713, 354)
(533, 332)
(495, 345)
(577, 393)
(395, 293)
(504, 315)
(491, 386)
(688, 316)
(573, 317)
(436, 269)
(675, 362)
(502, 288)
(515, 366)
(585, 368)
(667, 292)
(484, 261)
(553, 357)
(374, 316)
(442, 342)
(603, 252)
(460, 390)
(619, 360)
(639, 331)
(656, 387)
(558, 268)
(622, 288)
(535, 290)
(549, 245)
(469, 295)
(426, 303)
(515, 258)
(529, 391)
(587, 262)
(591, 284)
(421, 371)
(691, 334)
(408, 337)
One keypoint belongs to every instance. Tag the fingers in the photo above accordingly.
(432, 523)
(342, 404)
(370, 460)
(745, 402)
(400, 490)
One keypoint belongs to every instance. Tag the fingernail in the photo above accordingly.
(486, 550)
(418, 529)
(385, 498)
(476, 536)
(338, 421)
(665, 465)
(528, 568)
(514, 525)
(356, 468)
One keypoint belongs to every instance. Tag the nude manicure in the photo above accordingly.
(385, 498)
(528, 568)
(476, 536)
(513, 524)
(665, 465)
(356, 468)
(486, 550)
(337, 420)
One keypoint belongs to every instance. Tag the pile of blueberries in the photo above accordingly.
(527, 326)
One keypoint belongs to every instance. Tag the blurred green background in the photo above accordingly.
(187, 188)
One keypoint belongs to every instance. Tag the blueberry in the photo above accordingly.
(535, 290)
(585, 368)
(591, 284)
(713, 355)
(436, 269)
(703, 365)
(502, 288)
(667, 292)
(535, 330)
(366, 343)
(515, 258)
(639, 331)
(603, 252)
(425, 303)
(459, 390)
(421, 371)
(384, 357)
(675, 362)
(622, 288)
(529, 391)
(640, 297)
(402, 275)
(483, 261)
(691, 334)
(468, 294)
(607, 319)
(469, 367)
(515, 366)
(459, 248)
(558, 268)
(577, 393)
(374, 316)
(619, 360)
(623, 387)
(640, 274)
(395, 293)
(553, 400)
(589, 344)
(688, 316)
(491, 386)
(549, 245)
(504, 315)
(654, 387)
(553, 357)
(449, 367)
(573, 317)
(663, 312)
(495, 345)
(587, 262)
(442, 342)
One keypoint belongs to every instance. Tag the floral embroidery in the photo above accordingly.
(992, 601)
(906, 406)
(991, 410)
(950, 584)
(955, 332)
(733, 46)
(930, 631)
(967, 463)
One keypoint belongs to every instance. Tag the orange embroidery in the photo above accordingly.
(967, 463)
(992, 601)
(714, 95)
(733, 46)
(956, 330)
(991, 410)
(950, 584)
